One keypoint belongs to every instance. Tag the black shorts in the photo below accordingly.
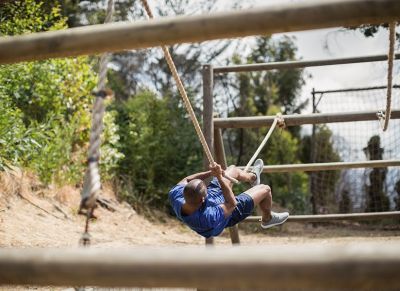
(243, 209)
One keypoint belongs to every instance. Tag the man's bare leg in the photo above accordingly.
(262, 196)
(240, 175)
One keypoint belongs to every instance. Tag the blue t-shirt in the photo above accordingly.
(209, 219)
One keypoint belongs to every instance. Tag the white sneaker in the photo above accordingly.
(276, 219)
(257, 170)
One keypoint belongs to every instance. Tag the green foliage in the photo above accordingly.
(319, 149)
(159, 144)
(45, 106)
(377, 199)
(53, 159)
(47, 88)
(15, 140)
(289, 189)
(397, 199)
(20, 17)
(110, 154)
(370, 30)
(271, 88)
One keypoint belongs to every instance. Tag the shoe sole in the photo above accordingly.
(274, 224)
(258, 174)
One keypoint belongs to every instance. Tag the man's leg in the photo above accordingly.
(262, 196)
(240, 175)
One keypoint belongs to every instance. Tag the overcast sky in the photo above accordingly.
(335, 43)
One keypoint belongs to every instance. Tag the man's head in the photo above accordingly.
(195, 192)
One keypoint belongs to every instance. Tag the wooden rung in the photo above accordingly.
(338, 267)
(328, 166)
(335, 217)
(300, 119)
(266, 20)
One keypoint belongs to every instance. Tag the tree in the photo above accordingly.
(267, 93)
(159, 144)
(318, 148)
(133, 71)
(370, 30)
(377, 200)
(397, 199)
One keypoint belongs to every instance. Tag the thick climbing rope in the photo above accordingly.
(278, 120)
(185, 98)
(92, 183)
(385, 117)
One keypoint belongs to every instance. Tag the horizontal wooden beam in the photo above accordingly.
(279, 18)
(300, 119)
(313, 167)
(361, 266)
(299, 64)
(335, 217)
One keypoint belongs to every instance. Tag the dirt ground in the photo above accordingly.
(48, 218)
(24, 225)
(40, 224)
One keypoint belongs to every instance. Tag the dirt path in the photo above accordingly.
(24, 225)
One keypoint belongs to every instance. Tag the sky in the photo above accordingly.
(339, 43)
(335, 43)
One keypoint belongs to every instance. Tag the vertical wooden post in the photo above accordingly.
(313, 156)
(208, 122)
(208, 108)
(219, 148)
(221, 159)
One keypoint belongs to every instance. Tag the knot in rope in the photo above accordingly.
(280, 121)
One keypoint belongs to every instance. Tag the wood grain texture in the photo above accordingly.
(361, 266)
(278, 18)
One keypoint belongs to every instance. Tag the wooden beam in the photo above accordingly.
(335, 217)
(300, 119)
(278, 18)
(361, 266)
(312, 167)
(208, 109)
(299, 64)
(221, 159)
(208, 122)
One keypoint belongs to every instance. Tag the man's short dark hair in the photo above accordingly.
(194, 191)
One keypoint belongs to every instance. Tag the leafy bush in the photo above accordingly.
(160, 147)
(45, 105)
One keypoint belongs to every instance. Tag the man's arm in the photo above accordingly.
(201, 176)
(230, 200)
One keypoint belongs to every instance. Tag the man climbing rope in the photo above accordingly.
(208, 210)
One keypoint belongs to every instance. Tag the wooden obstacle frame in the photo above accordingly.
(212, 131)
(370, 268)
